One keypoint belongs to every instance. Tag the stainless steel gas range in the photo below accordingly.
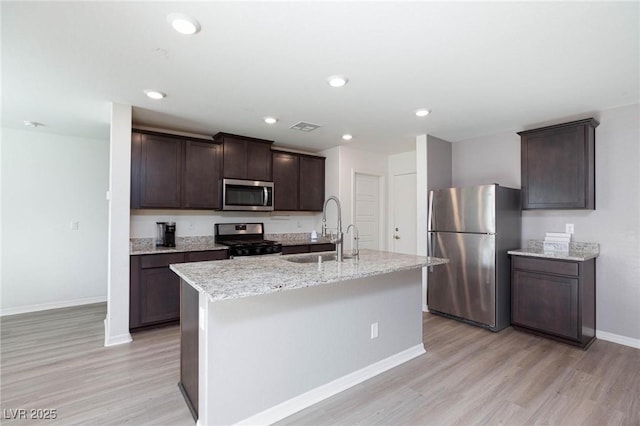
(245, 239)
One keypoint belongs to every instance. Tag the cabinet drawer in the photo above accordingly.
(295, 249)
(559, 267)
(160, 260)
(322, 247)
(202, 256)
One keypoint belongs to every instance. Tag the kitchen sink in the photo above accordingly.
(314, 258)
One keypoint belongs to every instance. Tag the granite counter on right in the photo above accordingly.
(553, 294)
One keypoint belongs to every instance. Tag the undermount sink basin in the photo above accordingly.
(313, 258)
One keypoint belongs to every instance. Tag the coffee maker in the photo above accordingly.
(166, 234)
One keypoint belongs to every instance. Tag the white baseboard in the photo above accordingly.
(52, 305)
(307, 399)
(115, 340)
(425, 308)
(616, 338)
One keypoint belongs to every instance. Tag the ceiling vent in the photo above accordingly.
(305, 127)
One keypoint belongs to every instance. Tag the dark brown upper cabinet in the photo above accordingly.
(245, 157)
(298, 181)
(286, 183)
(558, 166)
(173, 172)
(311, 183)
(202, 175)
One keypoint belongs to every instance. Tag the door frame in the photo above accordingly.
(382, 235)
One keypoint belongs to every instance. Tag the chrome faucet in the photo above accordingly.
(337, 240)
(355, 252)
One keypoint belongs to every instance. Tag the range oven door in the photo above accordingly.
(251, 195)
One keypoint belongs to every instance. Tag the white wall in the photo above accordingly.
(116, 323)
(48, 182)
(350, 161)
(439, 163)
(487, 159)
(196, 223)
(615, 224)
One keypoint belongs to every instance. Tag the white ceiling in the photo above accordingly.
(481, 67)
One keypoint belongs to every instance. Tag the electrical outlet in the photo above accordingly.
(568, 228)
(75, 225)
(374, 330)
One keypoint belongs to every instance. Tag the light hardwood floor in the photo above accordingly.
(55, 360)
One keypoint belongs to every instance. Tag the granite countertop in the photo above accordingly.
(257, 275)
(297, 239)
(183, 244)
(203, 243)
(577, 251)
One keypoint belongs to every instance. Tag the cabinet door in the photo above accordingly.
(258, 161)
(234, 158)
(285, 181)
(547, 303)
(311, 183)
(136, 169)
(160, 296)
(161, 172)
(153, 289)
(202, 174)
(558, 166)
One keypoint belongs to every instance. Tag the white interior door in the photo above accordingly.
(367, 210)
(404, 208)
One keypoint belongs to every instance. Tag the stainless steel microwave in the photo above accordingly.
(251, 195)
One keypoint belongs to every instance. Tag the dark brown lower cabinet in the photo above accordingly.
(554, 298)
(189, 311)
(308, 248)
(154, 289)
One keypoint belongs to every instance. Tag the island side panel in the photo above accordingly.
(189, 335)
(264, 350)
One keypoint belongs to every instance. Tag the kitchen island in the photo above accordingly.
(266, 336)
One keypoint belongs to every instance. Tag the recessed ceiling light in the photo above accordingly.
(347, 137)
(184, 24)
(422, 112)
(154, 94)
(32, 123)
(337, 80)
(270, 120)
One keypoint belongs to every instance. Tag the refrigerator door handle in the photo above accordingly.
(430, 248)
(429, 228)
(430, 212)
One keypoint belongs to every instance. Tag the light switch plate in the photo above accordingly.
(568, 228)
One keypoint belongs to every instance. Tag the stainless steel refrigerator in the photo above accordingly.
(473, 227)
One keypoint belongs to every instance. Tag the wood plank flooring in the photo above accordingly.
(55, 360)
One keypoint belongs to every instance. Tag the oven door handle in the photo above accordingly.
(266, 196)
